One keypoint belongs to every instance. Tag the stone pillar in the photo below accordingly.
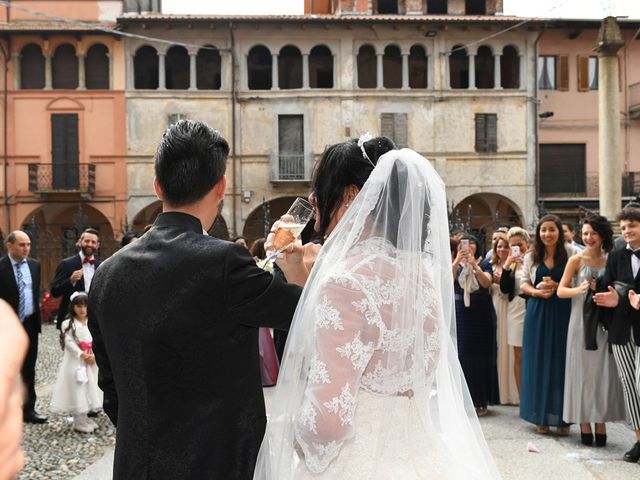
(472, 72)
(447, 71)
(497, 73)
(335, 71)
(47, 72)
(162, 76)
(17, 79)
(379, 71)
(82, 82)
(405, 71)
(110, 86)
(355, 70)
(274, 72)
(609, 150)
(305, 70)
(521, 66)
(131, 84)
(192, 71)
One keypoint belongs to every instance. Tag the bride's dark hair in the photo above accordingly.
(341, 165)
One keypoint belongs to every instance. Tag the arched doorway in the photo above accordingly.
(482, 213)
(146, 216)
(55, 228)
(219, 228)
(262, 217)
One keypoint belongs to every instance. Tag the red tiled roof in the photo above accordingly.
(54, 27)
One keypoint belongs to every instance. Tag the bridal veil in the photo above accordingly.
(370, 384)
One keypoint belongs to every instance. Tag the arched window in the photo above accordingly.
(259, 66)
(31, 67)
(392, 67)
(145, 68)
(64, 68)
(484, 68)
(177, 68)
(208, 69)
(459, 68)
(289, 68)
(320, 67)
(367, 69)
(96, 67)
(387, 6)
(475, 7)
(510, 68)
(418, 67)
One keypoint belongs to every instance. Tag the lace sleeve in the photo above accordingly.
(342, 350)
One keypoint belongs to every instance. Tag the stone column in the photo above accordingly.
(274, 72)
(497, 73)
(110, 86)
(521, 66)
(379, 71)
(355, 70)
(472, 72)
(405, 71)
(47, 71)
(192, 71)
(305, 71)
(17, 79)
(335, 72)
(82, 82)
(131, 84)
(447, 71)
(609, 149)
(162, 76)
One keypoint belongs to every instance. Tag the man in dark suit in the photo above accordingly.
(20, 287)
(621, 275)
(175, 318)
(74, 273)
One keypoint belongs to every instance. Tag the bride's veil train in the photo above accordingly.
(370, 385)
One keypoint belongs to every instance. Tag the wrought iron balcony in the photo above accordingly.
(46, 178)
(291, 167)
(573, 185)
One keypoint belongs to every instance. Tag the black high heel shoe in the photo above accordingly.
(587, 438)
(601, 439)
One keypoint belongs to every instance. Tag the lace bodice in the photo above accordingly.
(360, 343)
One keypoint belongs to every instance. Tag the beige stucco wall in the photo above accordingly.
(440, 120)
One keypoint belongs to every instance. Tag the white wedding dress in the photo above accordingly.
(370, 385)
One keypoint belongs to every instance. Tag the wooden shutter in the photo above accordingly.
(64, 150)
(387, 125)
(583, 73)
(492, 132)
(481, 129)
(400, 127)
(562, 79)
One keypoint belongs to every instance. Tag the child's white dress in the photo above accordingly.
(69, 395)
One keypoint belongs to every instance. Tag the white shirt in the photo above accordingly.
(87, 271)
(635, 262)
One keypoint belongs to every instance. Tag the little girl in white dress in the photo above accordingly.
(76, 391)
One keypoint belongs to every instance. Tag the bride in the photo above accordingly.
(370, 385)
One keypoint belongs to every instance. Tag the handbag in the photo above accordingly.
(81, 375)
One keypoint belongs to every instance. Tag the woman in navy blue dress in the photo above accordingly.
(545, 329)
(475, 323)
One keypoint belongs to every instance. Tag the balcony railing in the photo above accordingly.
(62, 178)
(291, 167)
(586, 185)
(634, 100)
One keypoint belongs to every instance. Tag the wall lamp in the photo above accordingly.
(545, 114)
(430, 33)
(246, 196)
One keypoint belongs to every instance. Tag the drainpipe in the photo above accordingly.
(5, 116)
(536, 104)
(234, 95)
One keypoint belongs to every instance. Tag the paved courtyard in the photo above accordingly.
(55, 451)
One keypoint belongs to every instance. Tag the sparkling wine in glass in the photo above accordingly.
(288, 231)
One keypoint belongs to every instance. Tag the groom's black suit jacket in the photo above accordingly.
(174, 318)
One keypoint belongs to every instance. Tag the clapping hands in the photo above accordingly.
(634, 299)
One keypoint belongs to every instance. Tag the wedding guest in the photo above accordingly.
(505, 358)
(75, 273)
(496, 234)
(20, 288)
(257, 249)
(621, 272)
(544, 345)
(592, 389)
(13, 347)
(76, 390)
(475, 322)
(510, 285)
(241, 241)
(569, 233)
(129, 237)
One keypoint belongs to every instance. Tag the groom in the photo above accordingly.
(175, 317)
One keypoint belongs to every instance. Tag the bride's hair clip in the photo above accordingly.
(365, 137)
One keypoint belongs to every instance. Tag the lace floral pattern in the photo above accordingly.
(356, 348)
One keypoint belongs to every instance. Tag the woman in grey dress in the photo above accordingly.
(592, 388)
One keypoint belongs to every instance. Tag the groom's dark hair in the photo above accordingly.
(190, 160)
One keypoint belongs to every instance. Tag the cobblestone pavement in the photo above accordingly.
(54, 450)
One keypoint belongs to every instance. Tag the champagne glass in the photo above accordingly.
(289, 230)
